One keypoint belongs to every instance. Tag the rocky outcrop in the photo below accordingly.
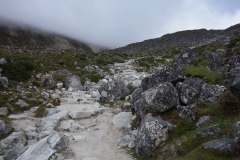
(152, 132)
(160, 98)
(74, 82)
(113, 90)
(172, 74)
(185, 57)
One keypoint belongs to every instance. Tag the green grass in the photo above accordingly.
(205, 74)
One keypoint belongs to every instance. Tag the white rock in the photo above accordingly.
(122, 119)
(18, 116)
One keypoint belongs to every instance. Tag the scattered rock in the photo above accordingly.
(235, 86)
(237, 131)
(3, 111)
(22, 103)
(45, 95)
(125, 140)
(49, 82)
(74, 82)
(209, 131)
(152, 132)
(185, 113)
(202, 120)
(3, 82)
(160, 98)
(113, 90)
(55, 96)
(225, 145)
(4, 128)
(21, 89)
(3, 61)
(211, 93)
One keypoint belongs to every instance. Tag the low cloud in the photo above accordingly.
(121, 22)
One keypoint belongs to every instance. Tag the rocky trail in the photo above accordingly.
(82, 126)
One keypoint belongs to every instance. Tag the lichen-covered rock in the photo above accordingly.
(185, 113)
(188, 89)
(3, 82)
(136, 94)
(211, 93)
(202, 120)
(152, 132)
(160, 98)
(4, 128)
(13, 140)
(186, 57)
(172, 73)
(209, 131)
(235, 86)
(49, 82)
(223, 145)
(113, 90)
(74, 82)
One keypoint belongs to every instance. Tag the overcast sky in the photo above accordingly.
(116, 23)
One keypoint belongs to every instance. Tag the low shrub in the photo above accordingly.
(203, 73)
(229, 103)
(41, 111)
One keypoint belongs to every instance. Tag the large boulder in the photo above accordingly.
(136, 94)
(152, 132)
(188, 89)
(113, 90)
(186, 57)
(44, 149)
(49, 82)
(211, 93)
(235, 86)
(3, 82)
(74, 82)
(13, 140)
(222, 145)
(172, 73)
(160, 98)
(4, 128)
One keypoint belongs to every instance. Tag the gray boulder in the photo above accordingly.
(186, 57)
(63, 72)
(125, 140)
(202, 120)
(3, 61)
(4, 128)
(223, 145)
(211, 93)
(122, 119)
(171, 73)
(113, 90)
(13, 140)
(22, 103)
(188, 89)
(74, 82)
(237, 132)
(209, 131)
(3, 82)
(49, 82)
(43, 149)
(185, 113)
(45, 95)
(152, 132)
(235, 86)
(3, 111)
(160, 98)
(136, 94)
(15, 152)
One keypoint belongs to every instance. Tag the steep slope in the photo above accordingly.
(177, 41)
(18, 36)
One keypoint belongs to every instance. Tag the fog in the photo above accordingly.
(116, 23)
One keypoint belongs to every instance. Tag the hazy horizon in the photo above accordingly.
(118, 23)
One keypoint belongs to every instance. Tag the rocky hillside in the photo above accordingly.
(176, 42)
(27, 37)
(75, 104)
